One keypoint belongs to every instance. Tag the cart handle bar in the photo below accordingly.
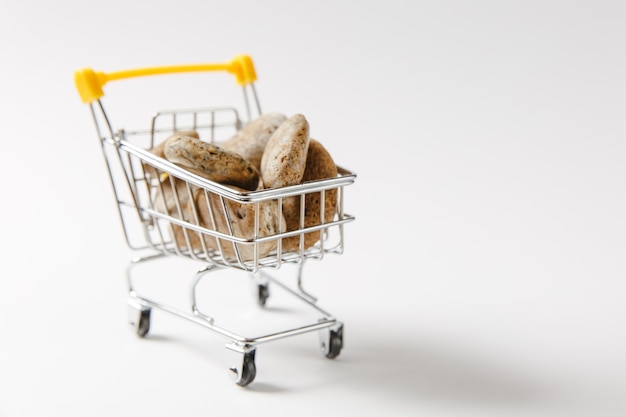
(89, 83)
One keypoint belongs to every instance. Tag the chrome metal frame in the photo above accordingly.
(150, 227)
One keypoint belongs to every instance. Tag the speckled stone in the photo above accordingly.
(211, 162)
(284, 158)
(319, 165)
(251, 140)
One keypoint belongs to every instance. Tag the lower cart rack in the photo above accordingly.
(330, 329)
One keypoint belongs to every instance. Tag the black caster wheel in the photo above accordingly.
(139, 318)
(143, 325)
(332, 342)
(245, 372)
(248, 371)
(263, 294)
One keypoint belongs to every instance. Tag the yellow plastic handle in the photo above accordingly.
(89, 83)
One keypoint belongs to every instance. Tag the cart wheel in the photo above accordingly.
(143, 326)
(333, 343)
(247, 373)
(263, 294)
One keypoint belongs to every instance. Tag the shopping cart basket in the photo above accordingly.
(156, 230)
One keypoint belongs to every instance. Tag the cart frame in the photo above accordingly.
(138, 178)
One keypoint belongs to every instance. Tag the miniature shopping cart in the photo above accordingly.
(156, 230)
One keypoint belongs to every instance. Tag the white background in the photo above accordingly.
(484, 274)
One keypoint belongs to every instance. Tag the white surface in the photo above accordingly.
(484, 274)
